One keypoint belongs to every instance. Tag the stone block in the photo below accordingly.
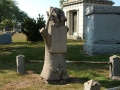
(92, 85)
(20, 61)
(103, 30)
(96, 49)
(5, 39)
(114, 67)
(58, 39)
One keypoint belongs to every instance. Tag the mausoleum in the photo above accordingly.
(76, 18)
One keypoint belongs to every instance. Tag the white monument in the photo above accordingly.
(75, 13)
(103, 30)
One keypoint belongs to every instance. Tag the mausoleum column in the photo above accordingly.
(68, 21)
(78, 22)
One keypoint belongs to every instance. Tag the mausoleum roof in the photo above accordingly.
(72, 2)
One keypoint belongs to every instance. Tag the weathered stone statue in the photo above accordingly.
(55, 37)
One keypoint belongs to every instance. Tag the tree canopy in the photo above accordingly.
(61, 3)
(10, 13)
(31, 26)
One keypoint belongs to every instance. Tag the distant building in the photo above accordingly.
(75, 13)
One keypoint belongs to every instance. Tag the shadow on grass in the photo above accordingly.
(70, 80)
(109, 83)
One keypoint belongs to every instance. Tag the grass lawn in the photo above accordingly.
(10, 80)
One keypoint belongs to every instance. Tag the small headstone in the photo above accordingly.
(92, 85)
(115, 67)
(20, 61)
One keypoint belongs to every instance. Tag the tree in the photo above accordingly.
(10, 14)
(30, 27)
(61, 3)
(6, 7)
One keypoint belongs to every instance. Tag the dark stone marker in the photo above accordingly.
(114, 67)
(20, 61)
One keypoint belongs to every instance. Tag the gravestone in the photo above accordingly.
(103, 30)
(20, 61)
(114, 67)
(92, 85)
(55, 37)
(5, 39)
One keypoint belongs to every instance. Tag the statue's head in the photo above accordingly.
(56, 16)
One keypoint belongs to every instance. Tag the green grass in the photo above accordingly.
(35, 51)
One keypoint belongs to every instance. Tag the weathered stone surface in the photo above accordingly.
(103, 10)
(115, 67)
(91, 85)
(5, 39)
(95, 49)
(103, 31)
(20, 61)
(58, 39)
(69, 2)
(55, 37)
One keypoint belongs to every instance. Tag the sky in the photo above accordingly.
(35, 7)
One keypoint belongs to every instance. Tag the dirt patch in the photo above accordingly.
(28, 80)
(34, 79)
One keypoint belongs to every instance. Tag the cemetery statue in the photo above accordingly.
(55, 37)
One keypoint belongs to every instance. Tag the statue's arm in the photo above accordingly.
(43, 32)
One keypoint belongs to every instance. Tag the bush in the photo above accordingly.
(30, 27)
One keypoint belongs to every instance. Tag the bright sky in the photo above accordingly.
(35, 7)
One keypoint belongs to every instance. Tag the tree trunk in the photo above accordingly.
(55, 37)
(54, 63)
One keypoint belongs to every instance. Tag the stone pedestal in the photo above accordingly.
(103, 30)
(114, 67)
(20, 61)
